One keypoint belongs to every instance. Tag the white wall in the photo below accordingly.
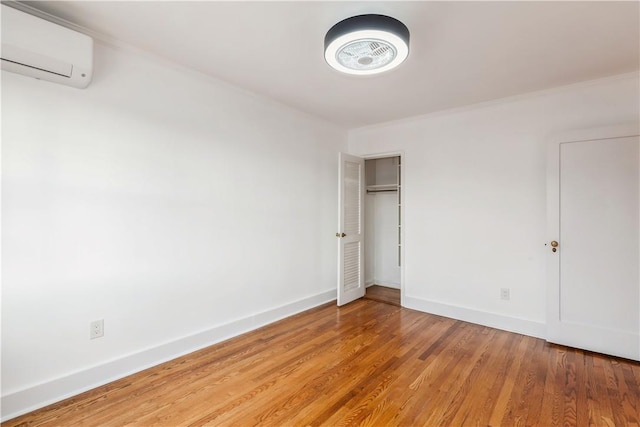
(385, 245)
(177, 208)
(474, 197)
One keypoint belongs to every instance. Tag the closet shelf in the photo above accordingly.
(382, 188)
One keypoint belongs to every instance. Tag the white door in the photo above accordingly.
(594, 247)
(350, 229)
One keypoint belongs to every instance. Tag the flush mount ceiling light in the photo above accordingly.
(366, 44)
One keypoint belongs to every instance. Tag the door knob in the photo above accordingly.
(340, 234)
(554, 244)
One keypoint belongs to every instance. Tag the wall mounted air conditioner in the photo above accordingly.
(37, 48)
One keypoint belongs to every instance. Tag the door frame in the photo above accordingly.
(553, 322)
(401, 154)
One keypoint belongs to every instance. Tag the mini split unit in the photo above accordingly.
(37, 48)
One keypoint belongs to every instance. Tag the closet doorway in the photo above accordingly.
(383, 229)
(370, 232)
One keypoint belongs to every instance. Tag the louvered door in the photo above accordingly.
(350, 229)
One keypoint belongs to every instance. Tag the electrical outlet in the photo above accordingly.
(505, 294)
(96, 329)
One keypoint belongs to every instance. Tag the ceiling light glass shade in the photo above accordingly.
(366, 44)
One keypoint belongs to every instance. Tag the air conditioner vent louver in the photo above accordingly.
(67, 75)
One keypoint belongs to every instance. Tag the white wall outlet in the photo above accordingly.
(96, 329)
(505, 294)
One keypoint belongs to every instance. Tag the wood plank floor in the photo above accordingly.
(383, 294)
(367, 363)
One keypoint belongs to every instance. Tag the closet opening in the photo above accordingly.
(383, 229)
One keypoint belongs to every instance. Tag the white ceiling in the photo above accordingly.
(461, 53)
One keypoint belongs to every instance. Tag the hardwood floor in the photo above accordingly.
(383, 294)
(367, 363)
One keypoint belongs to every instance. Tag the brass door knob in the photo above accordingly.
(340, 234)
(554, 244)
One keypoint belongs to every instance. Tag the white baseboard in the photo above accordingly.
(493, 320)
(41, 395)
(384, 283)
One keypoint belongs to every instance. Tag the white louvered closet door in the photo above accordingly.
(351, 233)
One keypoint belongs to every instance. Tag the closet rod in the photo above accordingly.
(380, 191)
